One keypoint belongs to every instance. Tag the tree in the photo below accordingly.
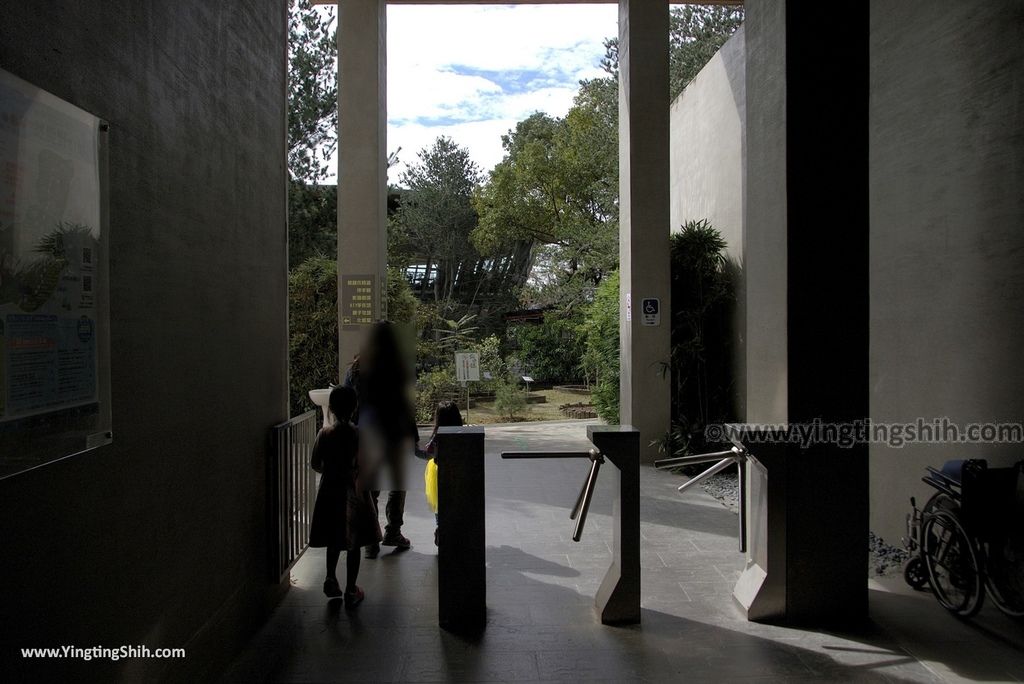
(556, 187)
(401, 303)
(312, 91)
(436, 216)
(696, 32)
(509, 399)
(551, 350)
(601, 331)
(312, 221)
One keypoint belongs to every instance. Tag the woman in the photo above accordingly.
(387, 424)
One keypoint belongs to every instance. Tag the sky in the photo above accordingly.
(473, 72)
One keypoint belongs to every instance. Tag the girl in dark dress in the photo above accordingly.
(342, 515)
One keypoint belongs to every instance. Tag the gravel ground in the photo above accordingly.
(723, 487)
(883, 559)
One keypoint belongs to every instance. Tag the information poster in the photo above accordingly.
(357, 298)
(54, 381)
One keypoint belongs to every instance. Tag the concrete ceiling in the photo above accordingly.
(518, 2)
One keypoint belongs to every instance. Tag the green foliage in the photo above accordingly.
(455, 335)
(702, 330)
(509, 399)
(312, 221)
(601, 359)
(433, 387)
(401, 303)
(312, 91)
(552, 350)
(313, 324)
(696, 32)
(557, 188)
(313, 329)
(491, 362)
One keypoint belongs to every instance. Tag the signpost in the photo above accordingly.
(467, 369)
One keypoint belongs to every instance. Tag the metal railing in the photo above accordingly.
(291, 486)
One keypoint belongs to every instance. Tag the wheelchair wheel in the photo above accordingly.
(1005, 578)
(915, 574)
(952, 563)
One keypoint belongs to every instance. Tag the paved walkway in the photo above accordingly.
(541, 622)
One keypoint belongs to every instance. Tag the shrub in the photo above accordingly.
(509, 399)
(702, 333)
(551, 350)
(401, 302)
(313, 324)
(601, 358)
(490, 362)
(434, 387)
(313, 329)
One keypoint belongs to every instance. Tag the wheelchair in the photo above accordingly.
(968, 539)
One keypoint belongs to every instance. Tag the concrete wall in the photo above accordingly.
(946, 168)
(947, 231)
(159, 539)
(707, 157)
(706, 153)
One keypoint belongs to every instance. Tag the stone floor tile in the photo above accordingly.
(542, 624)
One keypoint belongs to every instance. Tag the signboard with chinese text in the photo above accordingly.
(357, 301)
(467, 366)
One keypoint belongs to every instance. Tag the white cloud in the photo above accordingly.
(473, 72)
(482, 138)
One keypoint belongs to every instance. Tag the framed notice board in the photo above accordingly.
(54, 290)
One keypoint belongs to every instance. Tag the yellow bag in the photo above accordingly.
(430, 480)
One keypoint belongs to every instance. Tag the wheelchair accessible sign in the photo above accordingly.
(650, 311)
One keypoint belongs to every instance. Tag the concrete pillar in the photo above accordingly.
(644, 217)
(807, 307)
(362, 169)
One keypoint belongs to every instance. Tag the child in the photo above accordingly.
(446, 415)
(342, 517)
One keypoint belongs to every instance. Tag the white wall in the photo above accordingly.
(707, 140)
(707, 154)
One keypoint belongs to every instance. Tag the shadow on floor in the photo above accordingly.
(538, 631)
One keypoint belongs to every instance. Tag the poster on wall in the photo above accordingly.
(54, 364)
